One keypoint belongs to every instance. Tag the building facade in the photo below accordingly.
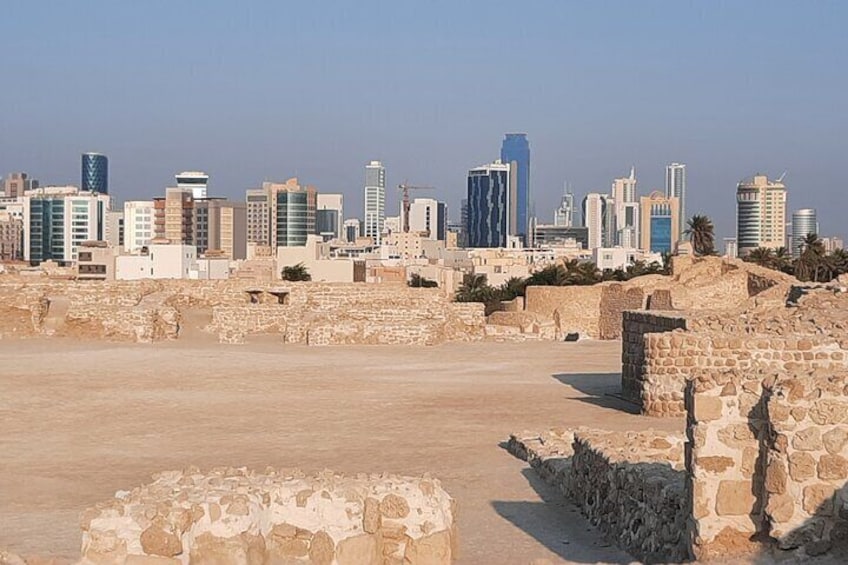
(559, 236)
(292, 212)
(57, 220)
(375, 201)
(138, 225)
(427, 216)
(515, 152)
(95, 173)
(804, 223)
(173, 216)
(564, 215)
(660, 222)
(194, 181)
(114, 235)
(675, 187)
(329, 216)
(760, 214)
(598, 218)
(258, 217)
(626, 208)
(489, 195)
(16, 184)
(11, 237)
(220, 228)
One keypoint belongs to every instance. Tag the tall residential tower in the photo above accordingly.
(675, 187)
(488, 193)
(760, 214)
(95, 173)
(515, 152)
(375, 200)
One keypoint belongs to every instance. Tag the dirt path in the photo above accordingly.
(82, 420)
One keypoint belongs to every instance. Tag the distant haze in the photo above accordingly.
(268, 90)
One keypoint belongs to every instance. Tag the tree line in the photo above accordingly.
(813, 264)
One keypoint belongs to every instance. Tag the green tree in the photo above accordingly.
(762, 256)
(417, 281)
(552, 275)
(473, 289)
(297, 272)
(812, 264)
(512, 288)
(701, 233)
(839, 262)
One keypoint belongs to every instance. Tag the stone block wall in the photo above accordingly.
(726, 425)
(635, 326)
(237, 516)
(573, 308)
(671, 357)
(615, 299)
(807, 473)
(631, 485)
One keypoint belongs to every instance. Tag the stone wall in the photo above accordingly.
(615, 299)
(636, 325)
(807, 473)
(309, 313)
(237, 516)
(572, 308)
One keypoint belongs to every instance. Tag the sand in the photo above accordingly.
(82, 420)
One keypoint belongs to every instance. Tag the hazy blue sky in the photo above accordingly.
(267, 90)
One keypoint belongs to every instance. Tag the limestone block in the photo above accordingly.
(734, 498)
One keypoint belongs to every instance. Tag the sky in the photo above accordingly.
(254, 91)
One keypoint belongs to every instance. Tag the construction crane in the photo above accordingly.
(405, 188)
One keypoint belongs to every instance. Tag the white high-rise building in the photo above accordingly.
(195, 181)
(760, 214)
(804, 223)
(138, 225)
(675, 187)
(429, 216)
(564, 215)
(626, 211)
(597, 215)
(375, 200)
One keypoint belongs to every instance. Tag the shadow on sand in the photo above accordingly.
(601, 389)
(558, 525)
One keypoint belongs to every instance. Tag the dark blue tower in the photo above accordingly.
(95, 173)
(515, 151)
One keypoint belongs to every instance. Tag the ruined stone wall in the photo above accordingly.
(615, 299)
(670, 358)
(572, 308)
(807, 473)
(636, 325)
(237, 516)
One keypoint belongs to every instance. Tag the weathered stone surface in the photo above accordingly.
(818, 499)
(360, 550)
(835, 440)
(322, 549)
(802, 466)
(393, 506)
(156, 541)
(808, 439)
(832, 467)
(734, 498)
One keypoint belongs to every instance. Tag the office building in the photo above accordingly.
(675, 187)
(427, 216)
(352, 230)
(194, 181)
(489, 195)
(292, 212)
(57, 219)
(564, 215)
(138, 225)
(329, 216)
(832, 244)
(15, 184)
(731, 250)
(95, 173)
(561, 236)
(220, 228)
(375, 201)
(173, 216)
(626, 208)
(11, 237)
(598, 217)
(660, 222)
(114, 232)
(258, 217)
(515, 152)
(760, 214)
(804, 223)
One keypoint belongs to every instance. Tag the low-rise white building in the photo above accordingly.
(162, 261)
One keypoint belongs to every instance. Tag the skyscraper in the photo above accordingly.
(292, 208)
(329, 216)
(95, 173)
(598, 219)
(564, 215)
(195, 181)
(760, 214)
(173, 216)
(675, 187)
(488, 193)
(804, 223)
(626, 208)
(375, 200)
(660, 222)
(220, 226)
(515, 152)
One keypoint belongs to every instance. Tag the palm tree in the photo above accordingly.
(297, 272)
(552, 275)
(473, 289)
(512, 288)
(762, 256)
(839, 262)
(811, 264)
(783, 260)
(702, 235)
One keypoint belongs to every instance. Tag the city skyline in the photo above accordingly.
(427, 126)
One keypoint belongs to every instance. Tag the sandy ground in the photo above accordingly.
(79, 421)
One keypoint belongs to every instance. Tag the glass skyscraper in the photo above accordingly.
(95, 173)
(515, 151)
(488, 205)
(675, 187)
